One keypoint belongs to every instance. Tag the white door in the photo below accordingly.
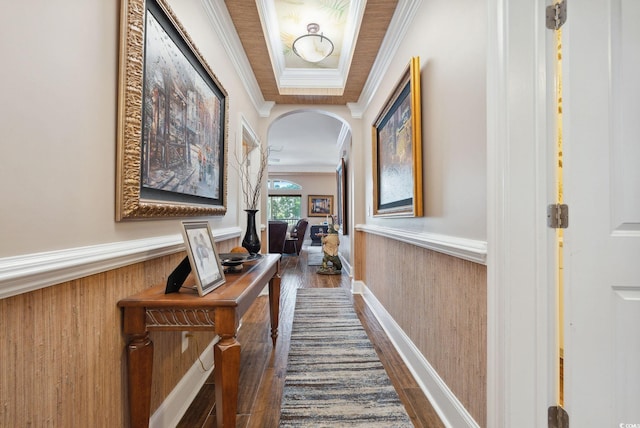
(601, 80)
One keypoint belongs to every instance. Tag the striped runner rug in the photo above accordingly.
(334, 377)
(315, 259)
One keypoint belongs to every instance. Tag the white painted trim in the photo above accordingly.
(402, 17)
(311, 80)
(343, 137)
(445, 403)
(626, 233)
(357, 286)
(520, 331)
(346, 266)
(21, 274)
(497, 134)
(268, 20)
(180, 398)
(628, 293)
(221, 21)
(467, 249)
(247, 134)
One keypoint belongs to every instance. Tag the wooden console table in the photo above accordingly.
(219, 311)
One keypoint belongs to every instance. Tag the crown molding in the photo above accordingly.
(311, 78)
(221, 20)
(400, 22)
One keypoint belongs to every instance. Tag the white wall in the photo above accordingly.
(58, 120)
(450, 39)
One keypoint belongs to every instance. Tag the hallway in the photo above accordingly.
(262, 372)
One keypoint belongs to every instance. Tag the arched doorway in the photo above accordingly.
(307, 147)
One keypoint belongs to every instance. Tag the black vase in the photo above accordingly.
(251, 239)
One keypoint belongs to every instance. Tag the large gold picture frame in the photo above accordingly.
(397, 149)
(172, 120)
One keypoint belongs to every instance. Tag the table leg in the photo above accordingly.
(226, 373)
(140, 366)
(274, 306)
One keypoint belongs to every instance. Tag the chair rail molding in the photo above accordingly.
(22, 274)
(467, 249)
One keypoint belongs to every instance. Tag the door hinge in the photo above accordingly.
(556, 15)
(558, 216)
(557, 417)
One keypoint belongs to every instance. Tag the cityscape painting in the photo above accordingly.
(182, 131)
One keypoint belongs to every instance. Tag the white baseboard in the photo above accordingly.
(446, 404)
(357, 287)
(178, 401)
(346, 266)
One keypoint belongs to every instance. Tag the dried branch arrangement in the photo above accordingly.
(251, 186)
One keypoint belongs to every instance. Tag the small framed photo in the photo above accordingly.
(320, 205)
(204, 260)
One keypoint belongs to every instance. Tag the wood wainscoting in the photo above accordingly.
(440, 302)
(63, 360)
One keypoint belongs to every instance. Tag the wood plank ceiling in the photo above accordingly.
(377, 15)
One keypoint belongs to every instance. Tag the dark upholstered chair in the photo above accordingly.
(294, 243)
(277, 236)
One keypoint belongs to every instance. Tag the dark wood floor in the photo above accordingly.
(263, 368)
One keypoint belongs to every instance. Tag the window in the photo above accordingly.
(283, 185)
(285, 207)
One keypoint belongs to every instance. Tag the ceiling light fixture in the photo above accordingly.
(312, 47)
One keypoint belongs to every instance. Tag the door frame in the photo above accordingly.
(521, 372)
